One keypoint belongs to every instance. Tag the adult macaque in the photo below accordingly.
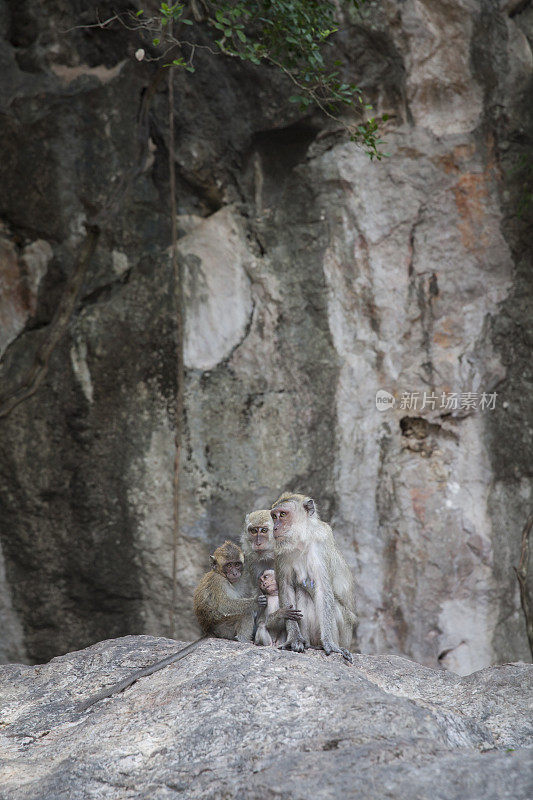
(271, 627)
(312, 576)
(220, 604)
(258, 544)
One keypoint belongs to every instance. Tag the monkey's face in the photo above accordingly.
(232, 570)
(259, 536)
(282, 517)
(267, 582)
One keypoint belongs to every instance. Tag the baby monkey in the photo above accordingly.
(271, 627)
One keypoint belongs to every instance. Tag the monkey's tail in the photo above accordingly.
(141, 673)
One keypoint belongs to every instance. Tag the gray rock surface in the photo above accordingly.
(237, 721)
(313, 279)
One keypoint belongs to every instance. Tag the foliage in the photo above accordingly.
(288, 34)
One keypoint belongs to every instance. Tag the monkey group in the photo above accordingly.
(303, 593)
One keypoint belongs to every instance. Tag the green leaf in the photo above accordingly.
(291, 34)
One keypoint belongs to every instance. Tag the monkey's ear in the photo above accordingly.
(309, 506)
(212, 561)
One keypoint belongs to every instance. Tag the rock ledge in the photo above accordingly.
(237, 721)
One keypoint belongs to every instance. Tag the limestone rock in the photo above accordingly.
(314, 280)
(217, 290)
(20, 277)
(234, 720)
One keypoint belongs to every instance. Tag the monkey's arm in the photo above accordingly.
(287, 597)
(276, 623)
(141, 673)
(216, 603)
(232, 610)
(283, 614)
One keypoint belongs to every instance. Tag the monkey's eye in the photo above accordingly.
(283, 513)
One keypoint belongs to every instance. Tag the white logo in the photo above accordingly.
(384, 400)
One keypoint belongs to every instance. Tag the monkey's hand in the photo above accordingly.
(331, 648)
(290, 613)
(296, 643)
(261, 600)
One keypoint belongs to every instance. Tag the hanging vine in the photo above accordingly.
(180, 368)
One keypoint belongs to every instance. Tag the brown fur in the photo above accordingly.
(284, 496)
(220, 607)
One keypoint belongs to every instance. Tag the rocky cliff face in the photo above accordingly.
(314, 279)
(236, 720)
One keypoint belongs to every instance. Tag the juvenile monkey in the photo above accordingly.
(220, 604)
(271, 628)
(258, 544)
(220, 607)
(312, 576)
